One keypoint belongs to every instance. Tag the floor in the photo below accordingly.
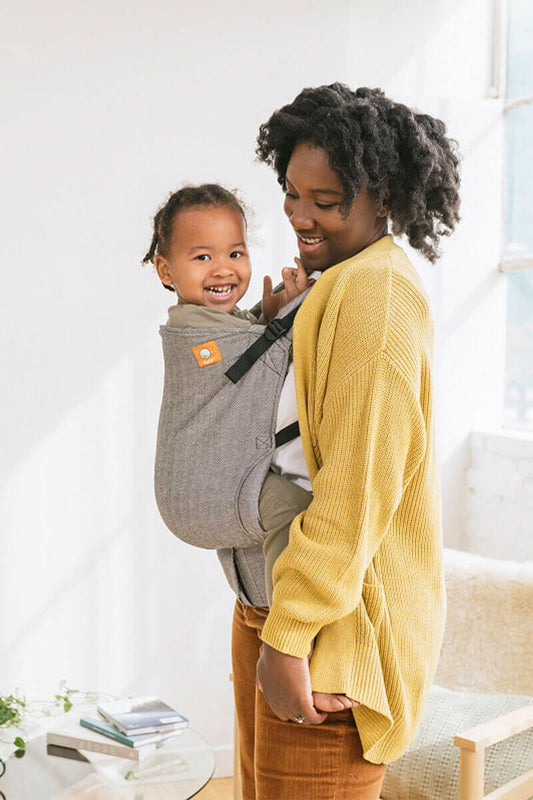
(218, 789)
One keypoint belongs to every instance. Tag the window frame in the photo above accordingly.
(499, 88)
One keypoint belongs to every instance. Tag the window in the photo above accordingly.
(518, 252)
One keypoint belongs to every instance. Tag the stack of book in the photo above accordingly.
(129, 728)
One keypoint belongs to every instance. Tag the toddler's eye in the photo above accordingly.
(203, 257)
(236, 254)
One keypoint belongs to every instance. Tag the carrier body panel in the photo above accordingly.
(215, 443)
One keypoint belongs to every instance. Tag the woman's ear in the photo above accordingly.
(163, 270)
(383, 209)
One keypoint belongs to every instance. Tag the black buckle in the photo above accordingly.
(274, 329)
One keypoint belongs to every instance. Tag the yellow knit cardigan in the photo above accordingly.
(363, 568)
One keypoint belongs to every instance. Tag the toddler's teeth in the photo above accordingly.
(220, 292)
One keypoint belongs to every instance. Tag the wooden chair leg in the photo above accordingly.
(471, 774)
(237, 785)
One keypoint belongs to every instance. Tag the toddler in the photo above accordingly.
(199, 251)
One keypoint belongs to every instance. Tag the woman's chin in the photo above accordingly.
(312, 264)
(317, 258)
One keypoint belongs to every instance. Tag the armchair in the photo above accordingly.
(482, 695)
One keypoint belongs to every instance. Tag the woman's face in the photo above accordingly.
(313, 195)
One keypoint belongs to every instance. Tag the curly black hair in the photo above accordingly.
(206, 194)
(371, 141)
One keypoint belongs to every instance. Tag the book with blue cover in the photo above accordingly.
(98, 725)
(136, 715)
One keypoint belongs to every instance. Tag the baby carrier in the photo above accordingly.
(216, 438)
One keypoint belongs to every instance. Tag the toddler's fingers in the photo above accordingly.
(289, 273)
(267, 285)
(302, 278)
(301, 270)
(290, 282)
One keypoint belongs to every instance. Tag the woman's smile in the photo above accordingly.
(309, 244)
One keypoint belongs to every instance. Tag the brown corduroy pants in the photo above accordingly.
(284, 760)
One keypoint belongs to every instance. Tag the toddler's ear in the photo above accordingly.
(162, 268)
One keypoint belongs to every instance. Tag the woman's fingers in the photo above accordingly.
(287, 686)
(309, 714)
(312, 716)
(332, 702)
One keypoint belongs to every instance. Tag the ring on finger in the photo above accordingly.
(298, 718)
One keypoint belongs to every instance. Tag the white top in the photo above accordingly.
(290, 457)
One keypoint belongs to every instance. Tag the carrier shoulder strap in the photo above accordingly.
(287, 434)
(274, 330)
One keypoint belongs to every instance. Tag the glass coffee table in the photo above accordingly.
(177, 770)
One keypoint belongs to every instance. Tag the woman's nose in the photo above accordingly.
(301, 218)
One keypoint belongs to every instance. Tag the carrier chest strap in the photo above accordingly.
(287, 434)
(275, 329)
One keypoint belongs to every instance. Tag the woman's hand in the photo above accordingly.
(296, 281)
(286, 686)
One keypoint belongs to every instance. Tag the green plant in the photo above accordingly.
(14, 709)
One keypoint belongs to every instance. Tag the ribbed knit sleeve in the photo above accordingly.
(371, 439)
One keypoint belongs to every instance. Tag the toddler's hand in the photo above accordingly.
(296, 281)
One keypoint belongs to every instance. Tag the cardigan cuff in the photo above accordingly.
(288, 635)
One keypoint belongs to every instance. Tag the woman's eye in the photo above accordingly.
(289, 194)
(326, 205)
(202, 257)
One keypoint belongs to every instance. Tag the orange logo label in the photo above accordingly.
(207, 353)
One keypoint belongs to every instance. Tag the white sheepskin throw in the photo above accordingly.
(488, 641)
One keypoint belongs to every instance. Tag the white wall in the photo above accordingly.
(500, 495)
(109, 107)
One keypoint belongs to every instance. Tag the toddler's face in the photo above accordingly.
(208, 262)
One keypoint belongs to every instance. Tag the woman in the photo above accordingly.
(363, 569)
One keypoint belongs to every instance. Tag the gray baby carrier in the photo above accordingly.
(216, 438)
